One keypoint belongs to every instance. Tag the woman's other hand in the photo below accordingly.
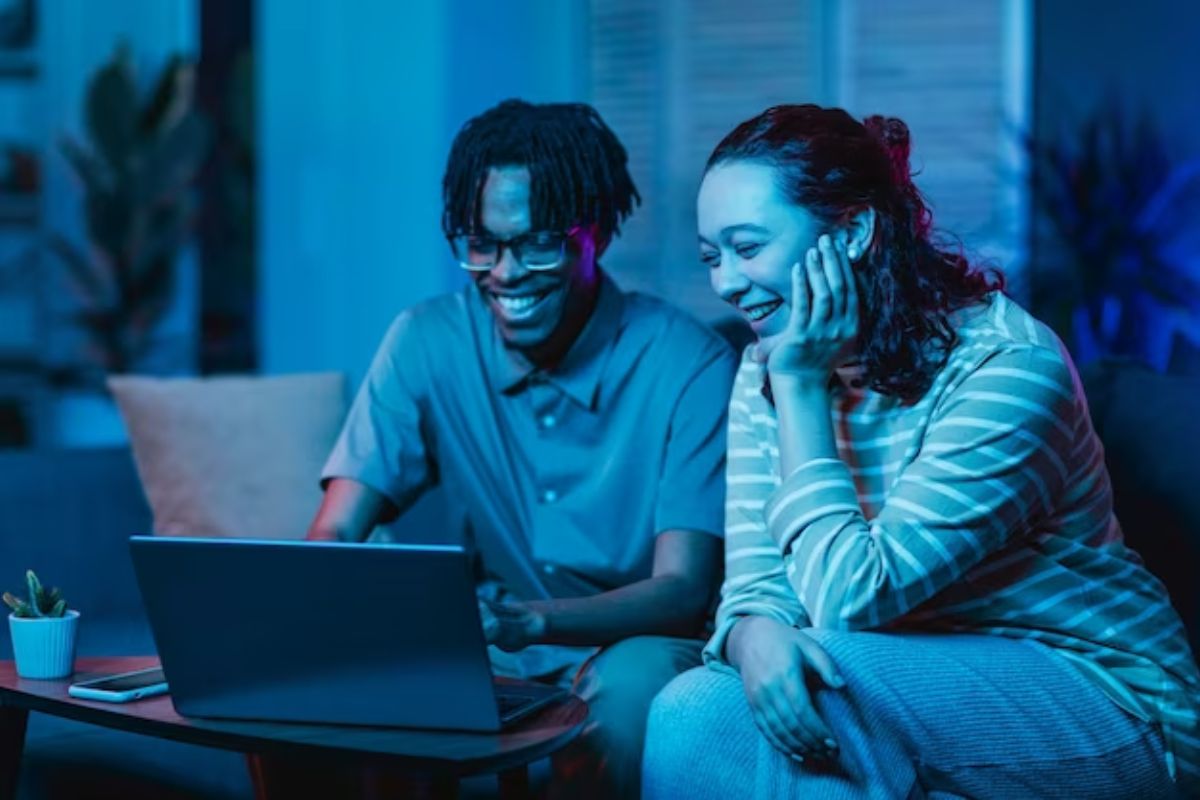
(778, 665)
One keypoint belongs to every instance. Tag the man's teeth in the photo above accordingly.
(518, 303)
(755, 313)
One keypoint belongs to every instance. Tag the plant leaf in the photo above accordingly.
(94, 174)
(86, 275)
(35, 591)
(13, 602)
(111, 109)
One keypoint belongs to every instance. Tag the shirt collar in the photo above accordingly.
(578, 374)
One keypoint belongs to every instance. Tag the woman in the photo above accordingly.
(927, 593)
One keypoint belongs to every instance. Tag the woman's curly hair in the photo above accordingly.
(832, 165)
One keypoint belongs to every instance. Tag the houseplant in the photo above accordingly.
(137, 172)
(43, 631)
(1118, 208)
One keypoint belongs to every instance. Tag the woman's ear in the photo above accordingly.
(860, 231)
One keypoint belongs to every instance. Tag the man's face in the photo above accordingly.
(531, 306)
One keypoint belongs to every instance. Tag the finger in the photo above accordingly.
(819, 661)
(768, 733)
(762, 349)
(765, 727)
(852, 303)
(791, 704)
(809, 724)
(821, 300)
(788, 731)
(798, 321)
(765, 717)
(835, 277)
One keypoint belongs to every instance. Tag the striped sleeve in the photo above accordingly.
(755, 583)
(988, 468)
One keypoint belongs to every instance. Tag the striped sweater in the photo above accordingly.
(985, 507)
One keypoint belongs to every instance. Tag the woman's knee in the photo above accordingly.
(695, 705)
(699, 736)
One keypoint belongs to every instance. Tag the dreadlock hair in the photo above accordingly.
(577, 167)
(832, 165)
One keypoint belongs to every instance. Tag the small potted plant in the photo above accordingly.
(43, 632)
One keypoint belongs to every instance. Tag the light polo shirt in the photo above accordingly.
(563, 476)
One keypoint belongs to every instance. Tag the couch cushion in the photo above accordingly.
(232, 456)
(1150, 426)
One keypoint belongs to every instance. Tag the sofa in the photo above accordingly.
(1149, 423)
(67, 514)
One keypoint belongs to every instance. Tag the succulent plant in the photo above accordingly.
(42, 602)
(137, 172)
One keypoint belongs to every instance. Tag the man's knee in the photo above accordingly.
(632, 671)
(619, 684)
(622, 680)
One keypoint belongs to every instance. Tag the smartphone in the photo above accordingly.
(123, 687)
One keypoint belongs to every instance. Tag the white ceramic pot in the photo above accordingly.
(44, 647)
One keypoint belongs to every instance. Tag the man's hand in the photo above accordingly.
(512, 626)
(775, 660)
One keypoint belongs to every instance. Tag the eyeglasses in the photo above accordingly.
(536, 250)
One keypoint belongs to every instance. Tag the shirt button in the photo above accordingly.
(549, 496)
(548, 569)
(547, 422)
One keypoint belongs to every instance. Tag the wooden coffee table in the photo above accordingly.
(437, 758)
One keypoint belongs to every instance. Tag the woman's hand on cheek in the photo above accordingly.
(823, 324)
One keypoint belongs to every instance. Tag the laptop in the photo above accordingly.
(324, 632)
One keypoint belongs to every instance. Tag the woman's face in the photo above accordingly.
(750, 236)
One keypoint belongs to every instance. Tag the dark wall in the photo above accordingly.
(228, 274)
(1142, 58)
(1146, 52)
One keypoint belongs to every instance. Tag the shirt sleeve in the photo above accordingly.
(990, 467)
(691, 486)
(755, 581)
(381, 444)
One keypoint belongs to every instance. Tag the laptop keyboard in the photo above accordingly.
(511, 703)
(515, 702)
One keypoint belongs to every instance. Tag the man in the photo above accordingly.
(580, 429)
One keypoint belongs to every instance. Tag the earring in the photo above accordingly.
(852, 252)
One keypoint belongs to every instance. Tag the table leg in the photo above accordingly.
(391, 785)
(258, 777)
(277, 778)
(12, 746)
(514, 783)
(443, 787)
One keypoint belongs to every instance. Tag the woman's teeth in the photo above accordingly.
(755, 313)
